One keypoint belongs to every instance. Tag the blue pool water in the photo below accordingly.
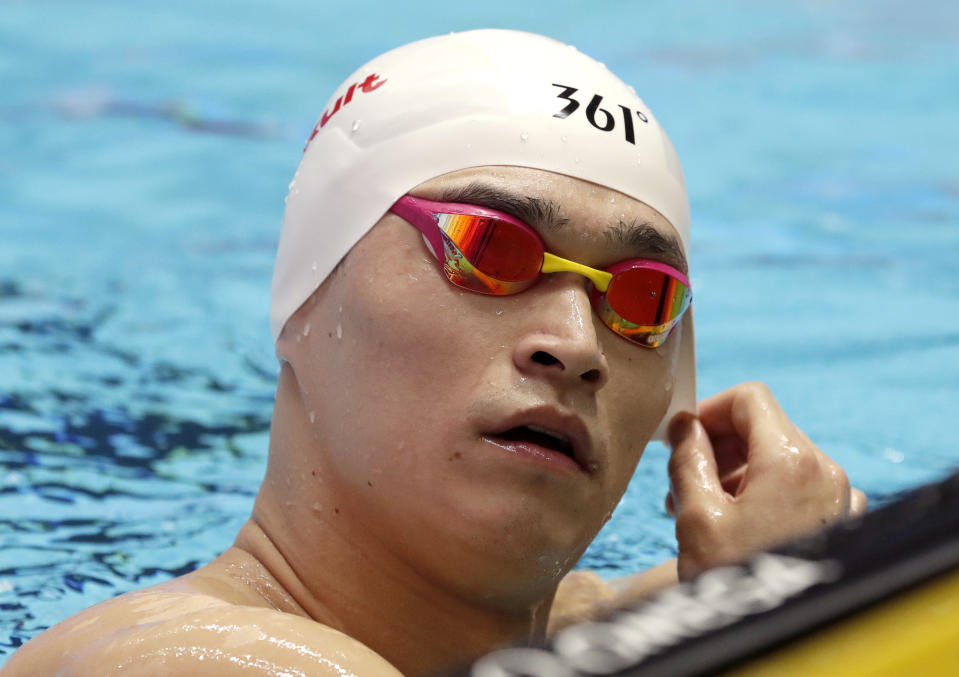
(145, 150)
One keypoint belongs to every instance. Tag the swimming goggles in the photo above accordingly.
(489, 252)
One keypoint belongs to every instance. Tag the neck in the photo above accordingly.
(418, 627)
(334, 562)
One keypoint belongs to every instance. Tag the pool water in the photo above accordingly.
(144, 158)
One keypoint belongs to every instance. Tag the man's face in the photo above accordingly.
(432, 409)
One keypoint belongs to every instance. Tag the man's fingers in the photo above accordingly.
(731, 457)
(751, 413)
(733, 482)
(739, 410)
(743, 478)
(858, 503)
(692, 468)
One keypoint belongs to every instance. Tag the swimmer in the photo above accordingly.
(483, 313)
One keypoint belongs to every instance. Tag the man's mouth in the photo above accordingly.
(551, 436)
(540, 436)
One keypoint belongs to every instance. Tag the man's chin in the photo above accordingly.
(502, 564)
(512, 590)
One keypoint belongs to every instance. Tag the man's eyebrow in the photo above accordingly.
(547, 215)
(540, 212)
(645, 237)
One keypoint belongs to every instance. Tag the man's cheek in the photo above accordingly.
(636, 408)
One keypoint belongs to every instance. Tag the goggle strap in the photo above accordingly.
(556, 264)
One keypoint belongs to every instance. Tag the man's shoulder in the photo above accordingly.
(156, 631)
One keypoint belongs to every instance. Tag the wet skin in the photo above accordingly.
(431, 373)
(410, 474)
(397, 510)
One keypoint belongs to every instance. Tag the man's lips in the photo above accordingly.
(548, 432)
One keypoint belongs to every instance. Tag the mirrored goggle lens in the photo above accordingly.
(647, 297)
(491, 256)
(643, 305)
(488, 255)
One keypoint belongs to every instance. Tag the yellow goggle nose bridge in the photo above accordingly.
(556, 264)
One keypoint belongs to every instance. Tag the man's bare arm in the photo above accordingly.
(584, 596)
(121, 637)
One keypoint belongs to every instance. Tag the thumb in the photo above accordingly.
(693, 475)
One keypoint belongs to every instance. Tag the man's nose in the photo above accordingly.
(560, 341)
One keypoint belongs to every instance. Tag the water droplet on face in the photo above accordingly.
(612, 200)
(524, 137)
(412, 276)
(499, 312)
(339, 330)
(306, 329)
(312, 416)
(318, 507)
(355, 126)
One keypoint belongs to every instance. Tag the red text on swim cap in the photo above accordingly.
(371, 82)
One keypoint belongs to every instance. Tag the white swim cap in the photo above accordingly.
(478, 98)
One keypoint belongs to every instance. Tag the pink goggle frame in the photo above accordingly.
(489, 252)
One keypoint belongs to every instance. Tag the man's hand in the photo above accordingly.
(744, 478)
